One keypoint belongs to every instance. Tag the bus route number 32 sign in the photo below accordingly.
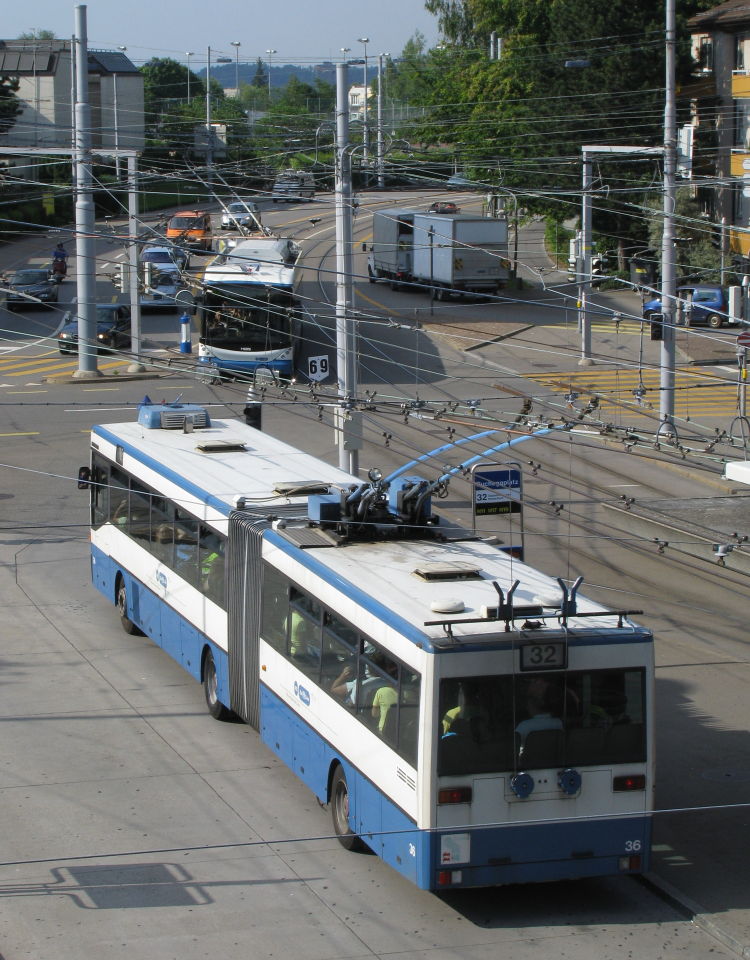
(497, 491)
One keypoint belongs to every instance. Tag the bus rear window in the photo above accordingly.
(534, 721)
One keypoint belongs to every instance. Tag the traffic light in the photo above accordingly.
(598, 270)
(657, 326)
(121, 279)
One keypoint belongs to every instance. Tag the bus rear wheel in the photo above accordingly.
(340, 812)
(211, 690)
(122, 605)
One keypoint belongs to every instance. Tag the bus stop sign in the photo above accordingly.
(496, 491)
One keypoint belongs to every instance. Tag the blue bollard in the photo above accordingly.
(186, 345)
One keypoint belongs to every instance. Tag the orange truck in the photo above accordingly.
(191, 227)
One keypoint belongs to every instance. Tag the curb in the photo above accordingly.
(694, 912)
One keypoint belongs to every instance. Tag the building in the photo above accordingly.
(43, 69)
(720, 102)
(357, 100)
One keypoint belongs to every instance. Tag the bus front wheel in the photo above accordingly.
(340, 812)
(211, 690)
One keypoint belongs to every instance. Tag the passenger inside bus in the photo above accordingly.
(386, 695)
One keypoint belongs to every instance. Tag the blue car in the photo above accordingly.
(703, 304)
(112, 329)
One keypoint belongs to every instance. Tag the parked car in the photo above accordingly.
(112, 328)
(166, 255)
(241, 214)
(702, 303)
(35, 282)
(192, 228)
(443, 206)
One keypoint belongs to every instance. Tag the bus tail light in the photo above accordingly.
(630, 781)
(446, 878)
(632, 862)
(454, 795)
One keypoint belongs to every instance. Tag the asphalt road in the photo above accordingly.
(136, 825)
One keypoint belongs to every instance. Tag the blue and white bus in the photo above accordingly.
(249, 312)
(470, 719)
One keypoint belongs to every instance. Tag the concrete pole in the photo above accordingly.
(585, 261)
(668, 267)
(135, 298)
(346, 349)
(381, 143)
(118, 169)
(209, 134)
(85, 217)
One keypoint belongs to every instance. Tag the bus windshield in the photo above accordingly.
(532, 721)
(244, 320)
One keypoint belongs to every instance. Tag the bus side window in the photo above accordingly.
(186, 546)
(339, 662)
(211, 561)
(162, 530)
(99, 493)
(408, 716)
(304, 633)
(275, 611)
(139, 520)
(119, 495)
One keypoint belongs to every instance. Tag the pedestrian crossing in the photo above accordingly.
(48, 365)
(699, 391)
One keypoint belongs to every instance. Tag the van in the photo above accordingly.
(293, 185)
(191, 227)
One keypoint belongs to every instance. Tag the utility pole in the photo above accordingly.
(668, 268)
(85, 216)
(584, 259)
(209, 133)
(135, 294)
(381, 143)
(348, 420)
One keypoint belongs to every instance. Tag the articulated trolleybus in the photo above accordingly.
(249, 311)
(470, 719)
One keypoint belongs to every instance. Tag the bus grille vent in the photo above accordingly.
(175, 419)
(405, 778)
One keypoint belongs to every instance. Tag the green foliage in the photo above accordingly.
(10, 106)
(165, 84)
(697, 253)
(37, 34)
(260, 78)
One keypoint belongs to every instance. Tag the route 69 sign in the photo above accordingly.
(318, 368)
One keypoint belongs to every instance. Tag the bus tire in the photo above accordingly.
(340, 812)
(122, 605)
(210, 689)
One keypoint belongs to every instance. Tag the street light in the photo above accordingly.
(270, 55)
(189, 54)
(117, 123)
(236, 44)
(365, 139)
(346, 50)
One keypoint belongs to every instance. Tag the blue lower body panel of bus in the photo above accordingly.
(284, 368)
(173, 633)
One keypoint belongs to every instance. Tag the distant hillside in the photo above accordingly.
(280, 73)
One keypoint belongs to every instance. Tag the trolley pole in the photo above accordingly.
(85, 215)
(347, 419)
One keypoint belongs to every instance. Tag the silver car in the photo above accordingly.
(241, 214)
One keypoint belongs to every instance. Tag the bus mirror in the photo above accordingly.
(84, 478)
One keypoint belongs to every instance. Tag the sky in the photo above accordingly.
(300, 31)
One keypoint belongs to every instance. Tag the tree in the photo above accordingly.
(260, 78)
(10, 106)
(37, 34)
(165, 84)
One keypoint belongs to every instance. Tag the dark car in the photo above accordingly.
(112, 328)
(444, 206)
(31, 282)
(697, 304)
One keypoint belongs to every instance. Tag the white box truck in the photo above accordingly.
(391, 249)
(460, 253)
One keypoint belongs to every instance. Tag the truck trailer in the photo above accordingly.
(447, 254)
